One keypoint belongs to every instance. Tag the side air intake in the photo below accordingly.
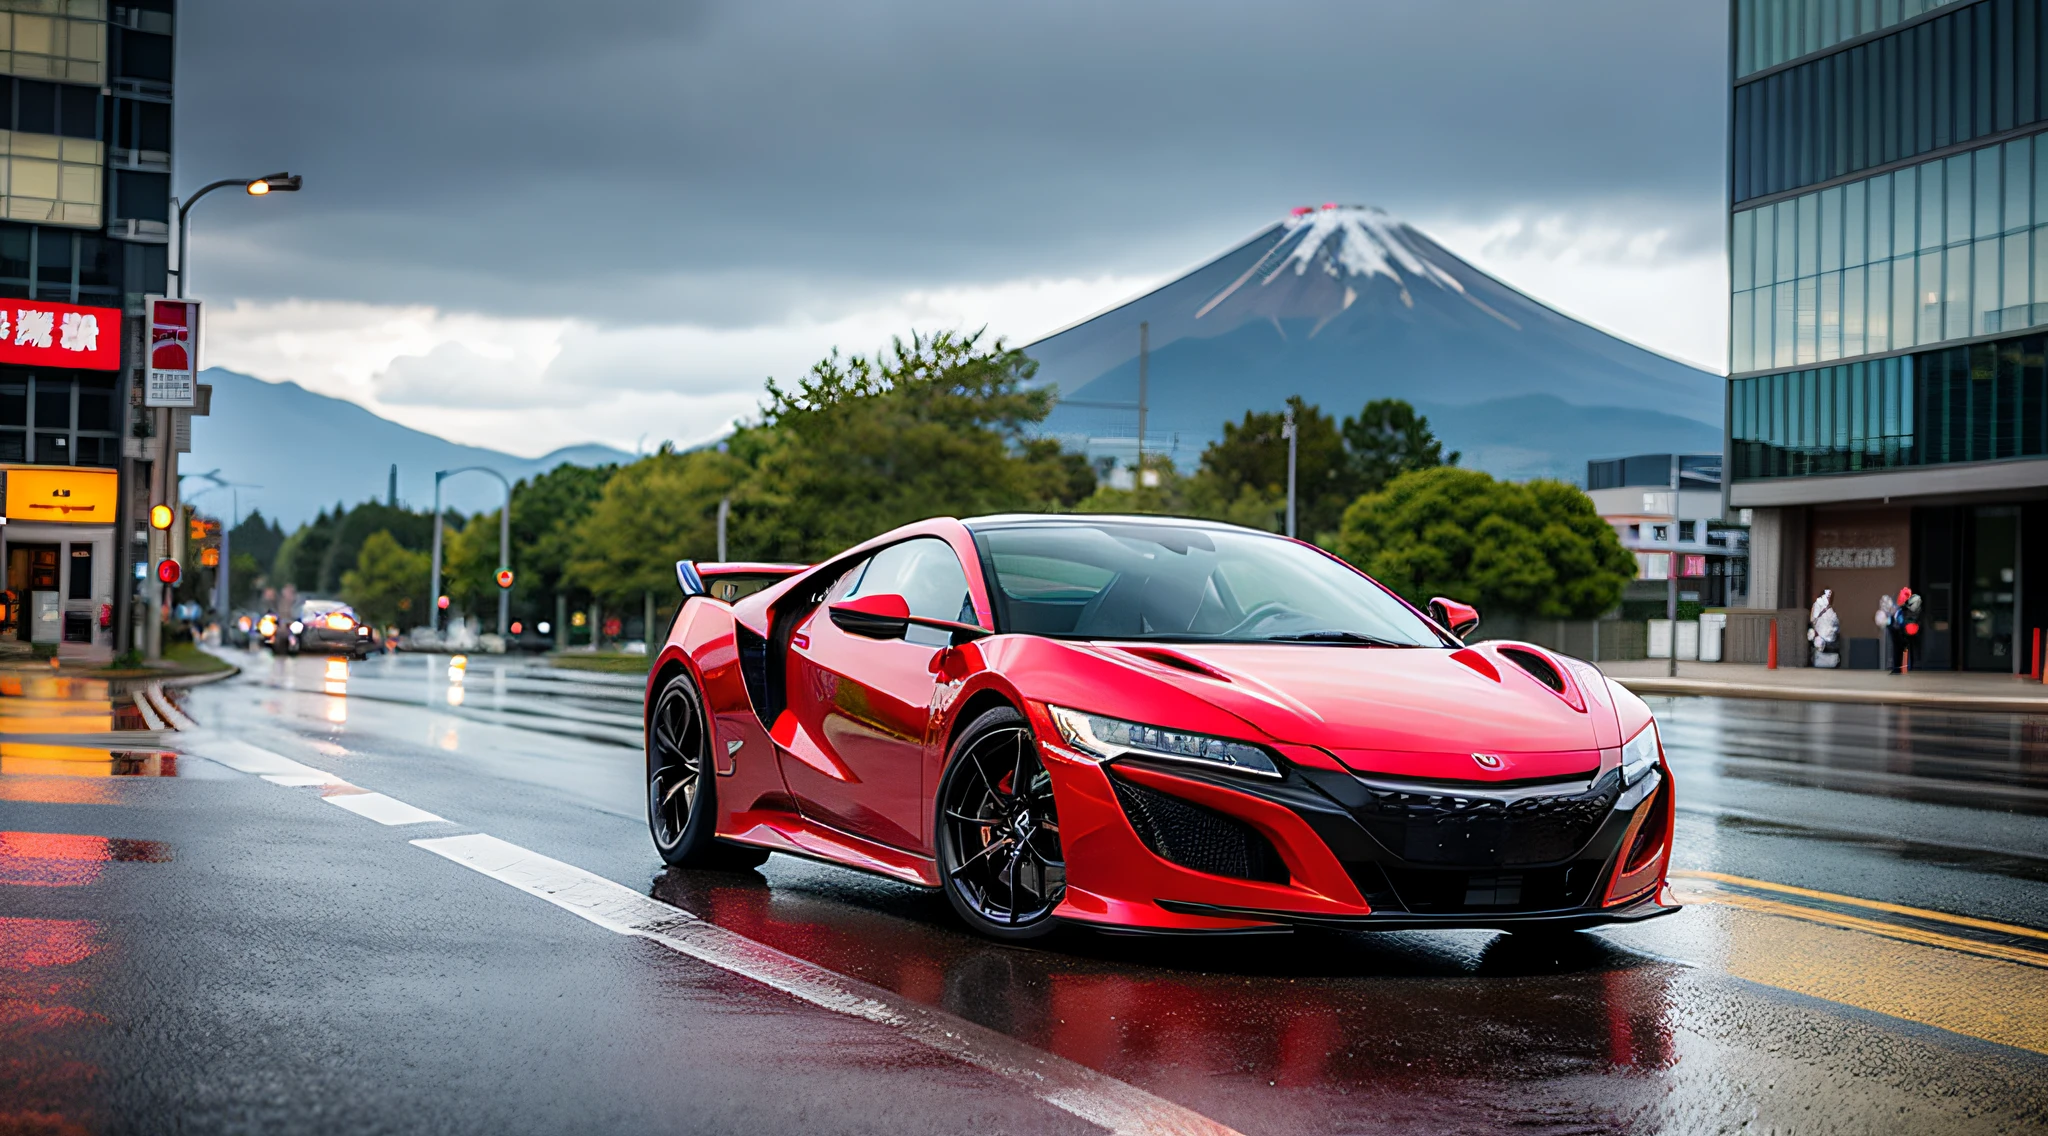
(1195, 837)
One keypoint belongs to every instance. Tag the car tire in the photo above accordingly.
(679, 764)
(999, 857)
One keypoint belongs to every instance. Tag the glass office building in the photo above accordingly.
(85, 212)
(1888, 264)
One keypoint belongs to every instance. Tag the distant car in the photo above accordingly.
(325, 627)
(1149, 725)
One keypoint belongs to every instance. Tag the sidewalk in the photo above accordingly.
(1949, 690)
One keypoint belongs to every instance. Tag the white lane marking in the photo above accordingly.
(377, 806)
(1094, 1097)
(301, 780)
(245, 758)
(149, 715)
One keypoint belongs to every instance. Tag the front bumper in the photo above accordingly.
(325, 641)
(1157, 846)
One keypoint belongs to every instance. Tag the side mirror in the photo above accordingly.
(872, 617)
(1459, 619)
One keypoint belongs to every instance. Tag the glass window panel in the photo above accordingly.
(1766, 245)
(2040, 259)
(1809, 309)
(1788, 229)
(1984, 303)
(1956, 293)
(1742, 242)
(2041, 182)
(1830, 315)
(1741, 335)
(1928, 329)
(1854, 226)
(1831, 229)
(1989, 193)
(1880, 218)
(1877, 323)
(1930, 205)
(1809, 234)
(1905, 210)
(2019, 190)
(1852, 312)
(1745, 36)
(1905, 303)
(1761, 301)
(1782, 324)
(2014, 289)
(1957, 172)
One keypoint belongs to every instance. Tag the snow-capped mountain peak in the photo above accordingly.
(1351, 245)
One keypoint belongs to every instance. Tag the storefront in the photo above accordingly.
(57, 558)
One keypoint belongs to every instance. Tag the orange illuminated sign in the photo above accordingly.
(76, 496)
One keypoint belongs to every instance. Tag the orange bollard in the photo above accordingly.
(1771, 652)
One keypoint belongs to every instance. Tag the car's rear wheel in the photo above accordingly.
(682, 813)
(1000, 860)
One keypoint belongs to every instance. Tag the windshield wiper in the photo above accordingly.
(1358, 638)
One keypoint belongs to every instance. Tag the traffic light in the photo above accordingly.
(167, 570)
(443, 603)
(209, 558)
(504, 577)
(160, 516)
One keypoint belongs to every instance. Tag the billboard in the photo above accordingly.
(65, 495)
(173, 352)
(43, 333)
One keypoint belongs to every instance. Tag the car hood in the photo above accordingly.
(1404, 712)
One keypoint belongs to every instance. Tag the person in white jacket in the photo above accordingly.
(1826, 630)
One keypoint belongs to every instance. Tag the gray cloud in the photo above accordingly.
(639, 161)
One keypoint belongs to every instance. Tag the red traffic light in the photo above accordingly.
(504, 577)
(443, 603)
(167, 571)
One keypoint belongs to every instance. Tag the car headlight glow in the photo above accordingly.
(297, 627)
(339, 622)
(1640, 754)
(1105, 738)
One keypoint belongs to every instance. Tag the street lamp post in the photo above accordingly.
(504, 548)
(166, 472)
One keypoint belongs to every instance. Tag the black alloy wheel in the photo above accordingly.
(999, 833)
(681, 812)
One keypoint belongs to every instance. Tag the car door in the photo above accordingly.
(864, 706)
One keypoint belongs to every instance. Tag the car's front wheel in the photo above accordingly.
(1000, 860)
(681, 811)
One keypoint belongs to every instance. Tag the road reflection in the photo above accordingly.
(1444, 1029)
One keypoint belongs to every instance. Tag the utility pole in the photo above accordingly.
(1671, 574)
(1144, 365)
(1288, 431)
(724, 511)
(504, 546)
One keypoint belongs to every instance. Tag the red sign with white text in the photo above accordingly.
(173, 352)
(42, 333)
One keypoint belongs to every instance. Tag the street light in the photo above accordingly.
(255, 187)
(504, 548)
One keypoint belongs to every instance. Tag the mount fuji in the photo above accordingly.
(1345, 304)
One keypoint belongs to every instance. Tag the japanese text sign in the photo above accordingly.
(42, 333)
(173, 352)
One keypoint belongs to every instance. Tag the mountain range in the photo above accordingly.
(307, 452)
(1345, 304)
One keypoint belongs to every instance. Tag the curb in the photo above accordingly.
(1932, 699)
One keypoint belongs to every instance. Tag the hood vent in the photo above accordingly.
(1536, 665)
(1177, 661)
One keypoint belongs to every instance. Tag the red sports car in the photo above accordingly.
(1147, 724)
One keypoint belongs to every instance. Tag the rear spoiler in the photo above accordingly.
(731, 580)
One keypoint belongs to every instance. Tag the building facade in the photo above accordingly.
(1887, 403)
(85, 212)
(1709, 554)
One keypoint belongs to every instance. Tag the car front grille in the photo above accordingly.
(1428, 891)
(1443, 827)
(1199, 838)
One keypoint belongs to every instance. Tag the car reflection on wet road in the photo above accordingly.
(1868, 950)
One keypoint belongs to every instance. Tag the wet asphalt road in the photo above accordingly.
(189, 947)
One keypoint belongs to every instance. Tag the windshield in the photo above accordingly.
(1123, 580)
(312, 608)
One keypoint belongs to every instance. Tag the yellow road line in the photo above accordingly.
(1984, 998)
(2021, 955)
(1871, 904)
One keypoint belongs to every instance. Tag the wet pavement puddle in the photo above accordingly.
(63, 859)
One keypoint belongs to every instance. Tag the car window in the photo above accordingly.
(927, 575)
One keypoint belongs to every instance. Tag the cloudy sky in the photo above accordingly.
(529, 223)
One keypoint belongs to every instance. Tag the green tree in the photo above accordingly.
(1388, 439)
(931, 427)
(412, 530)
(388, 585)
(1252, 459)
(302, 554)
(1536, 548)
(652, 513)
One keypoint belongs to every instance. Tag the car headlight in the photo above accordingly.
(297, 627)
(1640, 754)
(1105, 738)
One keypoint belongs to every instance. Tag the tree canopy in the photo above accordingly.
(388, 585)
(1536, 548)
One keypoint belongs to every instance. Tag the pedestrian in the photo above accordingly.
(1825, 630)
(1885, 606)
(1905, 630)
